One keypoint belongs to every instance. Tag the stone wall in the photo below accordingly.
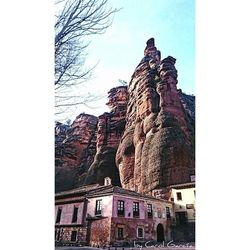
(99, 232)
(64, 238)
(130, 230)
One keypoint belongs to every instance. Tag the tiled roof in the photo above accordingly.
(80, 190)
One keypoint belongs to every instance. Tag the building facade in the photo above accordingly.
(70, 214)
(110, 215)
(183, 197)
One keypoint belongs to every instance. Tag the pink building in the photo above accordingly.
(109, 215)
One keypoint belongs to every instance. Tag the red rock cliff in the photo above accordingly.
(74, 150)
(156, 148)
(146, 141)
(110, 128)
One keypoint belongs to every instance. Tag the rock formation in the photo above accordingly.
(156, 148)
(188, 102)
(74, 150)
(109, 131)
(145, 143)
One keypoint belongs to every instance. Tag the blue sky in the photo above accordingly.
(120, 49)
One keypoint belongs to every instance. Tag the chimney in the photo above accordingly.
(107, 181)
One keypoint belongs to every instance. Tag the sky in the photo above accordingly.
(120, 49)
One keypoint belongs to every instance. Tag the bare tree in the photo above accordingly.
(75, 20)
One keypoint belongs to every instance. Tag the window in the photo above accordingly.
(58, 235)
(136, 212)
(120, 208)
(168, 215)
(140, 232)
(179, 196)
(120, 233)
(59, 213)
(194, 193)
(73, 236)
(98, 208)
(150, 210)
(75, 212)
(172, 199)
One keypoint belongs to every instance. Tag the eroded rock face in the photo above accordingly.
(145, 143)
(74, 150)
(156, 148)
(188, 102)
(110, 128)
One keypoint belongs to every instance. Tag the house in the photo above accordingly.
(70, 215)
(183, 197)
(110, 215)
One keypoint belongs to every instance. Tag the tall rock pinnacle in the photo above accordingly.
(155, 150)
